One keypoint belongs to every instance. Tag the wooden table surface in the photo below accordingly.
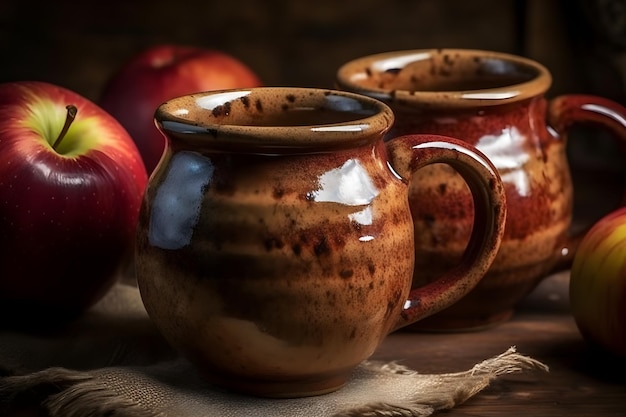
(579, 383)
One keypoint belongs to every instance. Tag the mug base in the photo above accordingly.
(441, 323)
(282, 388)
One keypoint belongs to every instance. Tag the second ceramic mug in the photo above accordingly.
(496, 102)
(275, 241)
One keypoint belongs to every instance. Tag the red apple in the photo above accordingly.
(71, 184)
(160, 73)
(598, 284)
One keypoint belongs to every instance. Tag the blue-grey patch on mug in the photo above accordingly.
(176, 206)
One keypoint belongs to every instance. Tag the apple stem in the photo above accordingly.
(71, 115)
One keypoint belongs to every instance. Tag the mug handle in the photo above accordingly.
(409, 153)
(563, 112)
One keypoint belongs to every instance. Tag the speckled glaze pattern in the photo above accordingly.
(275, 245)
(496, 103)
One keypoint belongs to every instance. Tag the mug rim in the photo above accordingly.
(350, 72)
(355, 130)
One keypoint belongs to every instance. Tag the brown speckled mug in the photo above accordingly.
(275, 241)
(494, 101)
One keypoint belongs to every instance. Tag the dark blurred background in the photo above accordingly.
(80, 44)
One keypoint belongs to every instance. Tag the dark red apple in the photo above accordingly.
(160, 73)
(71, 183)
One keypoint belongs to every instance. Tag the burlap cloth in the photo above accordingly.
(112, 361)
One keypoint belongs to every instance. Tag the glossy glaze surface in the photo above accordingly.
(275, 244)
(495, 102)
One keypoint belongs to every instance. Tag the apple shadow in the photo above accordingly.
(586, 359)
(35, 318)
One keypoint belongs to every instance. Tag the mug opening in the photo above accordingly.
(276, 117)
(457, 76)
(291, 112)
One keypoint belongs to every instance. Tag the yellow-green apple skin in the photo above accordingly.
(67, 215)
(162, 72)
(598, 284)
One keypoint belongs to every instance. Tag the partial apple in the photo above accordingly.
(160, 73)
(598, 284)
(71, 184)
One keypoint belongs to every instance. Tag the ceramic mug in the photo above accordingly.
(496, 102)
(275, 241)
